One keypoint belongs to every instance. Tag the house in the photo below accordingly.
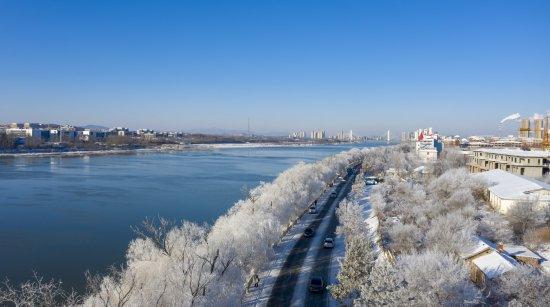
(485, 262)
(488, 260)
(505, 190)
(489, 265)
(523, 255)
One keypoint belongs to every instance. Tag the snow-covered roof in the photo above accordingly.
(511, 186)
(479, 247)
(493, 264)
(516, 152)
(520, 251)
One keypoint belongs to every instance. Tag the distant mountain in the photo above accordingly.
(95, 127)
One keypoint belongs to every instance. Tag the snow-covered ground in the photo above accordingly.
(259, 296)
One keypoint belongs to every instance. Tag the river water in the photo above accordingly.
(61, 216)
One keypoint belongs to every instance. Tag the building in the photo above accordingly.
(505, 190)
(120, 131)
(318, 135)
(525, 128)
(428, 146)
(486, 261)
(297, 135)
(535, 132)
(523, 255)
(534, 164)
(24, 132)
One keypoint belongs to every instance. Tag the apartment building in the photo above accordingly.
(534, 164)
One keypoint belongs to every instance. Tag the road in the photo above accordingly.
(324, 224)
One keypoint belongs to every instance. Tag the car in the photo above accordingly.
(329, 242)
(308, 232)
(370, 182)
(312, 210)
(333, 195)
(316, 284)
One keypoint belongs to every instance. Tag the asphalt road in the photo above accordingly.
(283, 289)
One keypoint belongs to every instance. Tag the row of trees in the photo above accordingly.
(185, 264)
(6, 141)
(429, 226)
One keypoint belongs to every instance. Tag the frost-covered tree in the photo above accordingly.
(359, 257)
(494, 227)
(384, 287)
(434, 278)
(37, 292)
(456, 179)
(354, 270)
(451, 234)
(405, 238)
(448, 159)
(524, 215)
(352, 219)
(524, 286)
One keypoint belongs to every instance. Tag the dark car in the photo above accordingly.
(316, 284)
(308, 232)
(333, 195)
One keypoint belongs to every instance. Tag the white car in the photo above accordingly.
(370, 182)
(329, 242)
(312, 210)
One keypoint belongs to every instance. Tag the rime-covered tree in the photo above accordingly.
(524, 286)
(524, 215)
(383, 288)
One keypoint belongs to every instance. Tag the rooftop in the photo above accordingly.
(516, 152)
(511, 186)
(480, 246)
(493, 264)
(520, 251)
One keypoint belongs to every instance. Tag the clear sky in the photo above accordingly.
(459, 66)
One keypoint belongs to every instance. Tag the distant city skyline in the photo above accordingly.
(365, 66)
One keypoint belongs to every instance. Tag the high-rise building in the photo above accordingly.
(546, 133)
(318, 135)
(524, 128)
(538, 128)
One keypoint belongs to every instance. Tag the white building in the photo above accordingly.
(427, 146)
(506, 189)
(24, 132)
(318, 135)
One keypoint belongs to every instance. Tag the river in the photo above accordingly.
(61, 216)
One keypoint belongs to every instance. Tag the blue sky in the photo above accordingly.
(459, 66)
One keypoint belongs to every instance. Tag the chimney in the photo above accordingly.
(500, 247)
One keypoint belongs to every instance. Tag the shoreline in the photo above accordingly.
(161, 149)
